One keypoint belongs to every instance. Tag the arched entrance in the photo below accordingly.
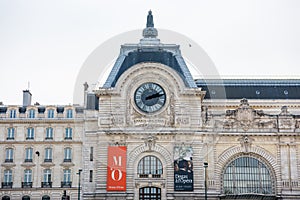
(150, 193)
(26, 198)
(45, 197)
(6, 198)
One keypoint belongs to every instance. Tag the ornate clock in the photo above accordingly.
(150, 97)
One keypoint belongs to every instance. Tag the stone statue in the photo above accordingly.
(150, 19)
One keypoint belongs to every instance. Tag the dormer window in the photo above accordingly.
(13, 113)
(31, 113)
(51, 113)
(69, 113)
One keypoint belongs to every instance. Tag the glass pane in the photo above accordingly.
(247, 175)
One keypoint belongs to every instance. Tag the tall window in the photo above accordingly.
(27, 178)
(48, 155)
(247, 175)
(68, 133)
(69, 113)
(10, 133)
(27, 175)
(8, 176)
(67, 176)
(28, 154)
(49, 133)
(9, 155)
(47, 175)
(68, 155)
(51, 113)
(31, 113)
(150, 165)
(30, 133)
(13, 113)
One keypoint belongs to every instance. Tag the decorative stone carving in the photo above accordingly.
(150, 141)
(286, 120)
(246, 143)
(245, 118)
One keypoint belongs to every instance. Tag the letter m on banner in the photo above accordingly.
(116, 168)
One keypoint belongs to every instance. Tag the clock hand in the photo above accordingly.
(154, 96)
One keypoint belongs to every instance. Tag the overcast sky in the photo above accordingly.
(46, 42)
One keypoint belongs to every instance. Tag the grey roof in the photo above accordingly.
(250, 88)
(149, 49)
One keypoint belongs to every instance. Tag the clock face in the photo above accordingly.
(150, 97)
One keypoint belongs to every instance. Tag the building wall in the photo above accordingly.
(219, 131)
(40, 122)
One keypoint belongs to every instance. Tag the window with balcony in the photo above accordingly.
(47, 181)
(27, 179)
(68, 155)
(28, 154)
(9, 155)
(48, 155)
(13, 113)
(31, 113)
(66, 179)
(150, 167)
(49, 133)
(68, 133)
(10, 133)
(30, 133)
(7, 179)
(51, 113)
(69, 113)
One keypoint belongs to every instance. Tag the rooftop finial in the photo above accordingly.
(150, 19)
(150, 31)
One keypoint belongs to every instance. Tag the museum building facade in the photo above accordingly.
(153, 132)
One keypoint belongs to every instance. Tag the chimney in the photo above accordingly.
(26, 98)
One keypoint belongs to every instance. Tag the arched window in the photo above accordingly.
(45, 197)
(26, 198)
(247, 175)
(6, 198)
(150, 165)
(150, 193)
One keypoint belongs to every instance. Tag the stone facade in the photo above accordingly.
(35, 185)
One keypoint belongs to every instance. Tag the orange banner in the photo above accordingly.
(116, 168)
